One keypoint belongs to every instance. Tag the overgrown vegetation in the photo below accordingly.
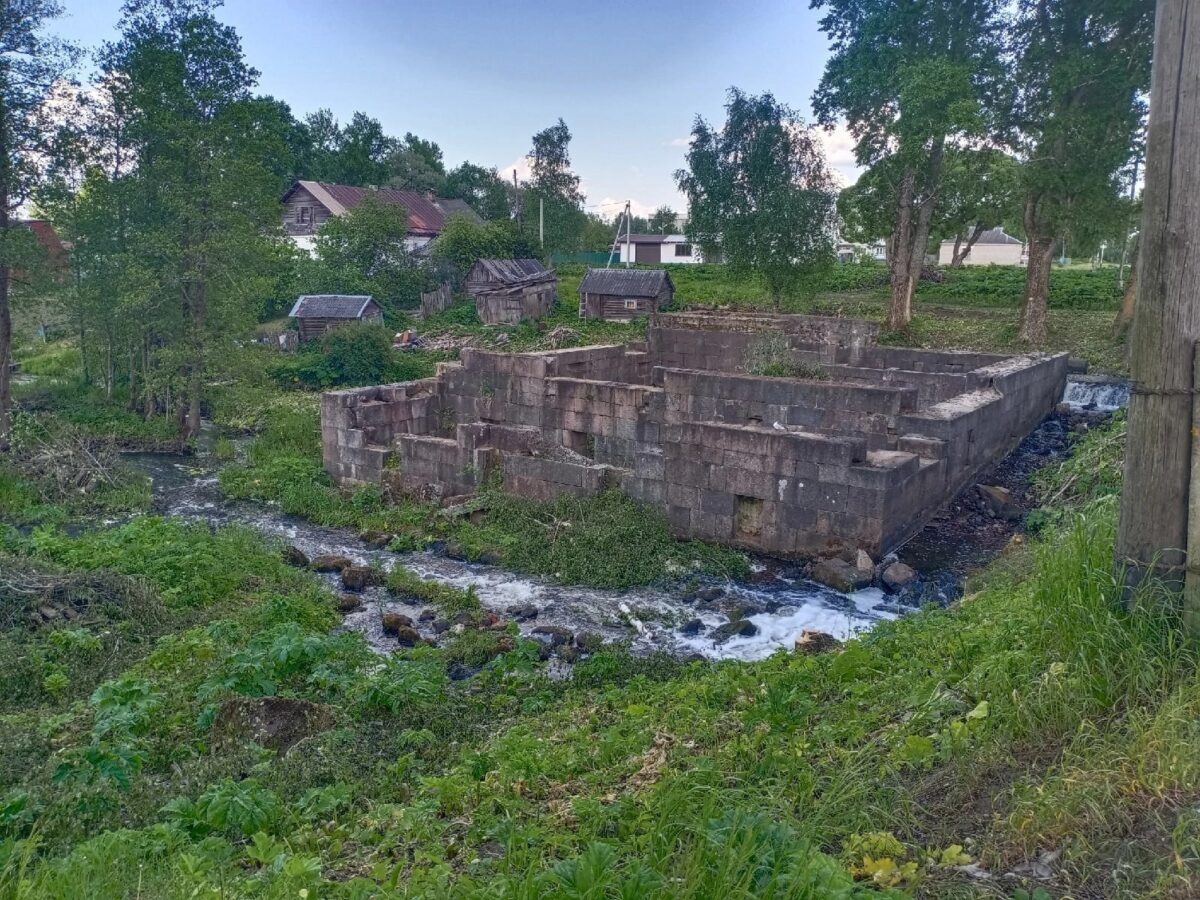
(986, 733)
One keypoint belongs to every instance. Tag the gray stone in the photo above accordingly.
(898, 576)
(392, 622)
(357, 578)
(327, 562)
(999, 502)
(522, 612)
(554, 635)
(694, 627)
(736, 628)
(840, 575)
(811, 641)
(349, 603)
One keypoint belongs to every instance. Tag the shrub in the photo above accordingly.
(1005, 286)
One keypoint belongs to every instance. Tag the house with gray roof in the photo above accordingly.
(316, 314)
(624, 294)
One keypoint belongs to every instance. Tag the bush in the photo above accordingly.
(1005, 286)
(353, 356)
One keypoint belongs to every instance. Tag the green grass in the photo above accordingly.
(1039, 713)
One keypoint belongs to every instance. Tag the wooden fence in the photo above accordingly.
(436, 301)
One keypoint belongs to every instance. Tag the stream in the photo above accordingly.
(776, 599)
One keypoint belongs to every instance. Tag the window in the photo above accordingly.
(631, 304)
(683, 249)
(304, 215)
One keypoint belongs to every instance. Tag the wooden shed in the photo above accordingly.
(624, 294)
(508, 291)
(315, 314)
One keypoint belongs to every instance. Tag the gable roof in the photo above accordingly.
(625, 282)
(997, 236)
(331, 306)
(427, 215)
(508, 270)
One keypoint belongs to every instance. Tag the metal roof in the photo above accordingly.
(331, 306)
(427, 215)
(997, 236)
(509, 270)
(625, 282)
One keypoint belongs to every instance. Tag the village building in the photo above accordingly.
(508, 291)
(316, 314)
(624, 294)
(992, 247)
(308, 205)
(658, 249)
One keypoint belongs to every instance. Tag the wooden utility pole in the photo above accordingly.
(1152, 537)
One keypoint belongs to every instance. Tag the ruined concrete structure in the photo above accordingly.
(857, 456)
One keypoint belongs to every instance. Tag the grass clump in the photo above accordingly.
(452, 601)
(995, 285)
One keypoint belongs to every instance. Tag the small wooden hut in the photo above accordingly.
(315, 314)
(508, 291)
(623, 294)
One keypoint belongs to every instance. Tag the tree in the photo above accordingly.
(663, 220)
(759, 191)
(32, 62)
(1156, 537)
(1084, 66)
(358, 153)
(416, 165)
(910, 79)
(553, 193)
(363, 252)
(483, 190)
(980, 191)
(463, 242)
(201, 216)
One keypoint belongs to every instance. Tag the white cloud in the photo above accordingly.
(521, 164)
(681, 141)
(608, 207)
(839, 153)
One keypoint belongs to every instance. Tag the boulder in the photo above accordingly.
(863, 562)
(49, 613)
(898, 576)
(999, 502)
(375, 540)
(392, 622)
(694, 627)
(328, 562)
(708, 594)
(840, 575)
(357, 578)
(736, 628)
(407, 637)
(428, 614)
(816, 641)
(439, 626)
(523, 612)
(278, 723)
(348, 603)
(294, 556)
(567, 653)
(554, 635)
(589, 641)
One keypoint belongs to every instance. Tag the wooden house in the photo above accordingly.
(508, 291)
(623, 294)
(315, 314)
(307, 205)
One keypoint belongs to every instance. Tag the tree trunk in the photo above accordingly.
(900, 261)
(5, 339)
(1153, 531)
(1032, 328)
(960, 255)
(195, 292)
(1128, 302)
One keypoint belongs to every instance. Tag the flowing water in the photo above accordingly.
(776, 599)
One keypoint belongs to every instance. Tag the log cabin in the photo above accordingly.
(624, 294)
(316, 314)
(508, 291)
(307, 205)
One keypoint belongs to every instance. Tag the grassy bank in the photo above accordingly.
(1038, 715)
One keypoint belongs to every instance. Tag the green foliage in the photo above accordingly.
(363, 252)
(587, 541)
(1005, 286)
(759, 193)
(450, 600)
(462, 242)
(351, 356)
(235, 808)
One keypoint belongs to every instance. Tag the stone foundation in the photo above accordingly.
(794, 467)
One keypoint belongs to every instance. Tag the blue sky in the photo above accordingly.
(481, 76)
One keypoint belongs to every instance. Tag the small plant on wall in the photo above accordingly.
(770, 356)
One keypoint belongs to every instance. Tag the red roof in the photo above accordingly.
(427, 215)
(47, 237)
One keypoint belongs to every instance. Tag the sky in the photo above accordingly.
(479, 77)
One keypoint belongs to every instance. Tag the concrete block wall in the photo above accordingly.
(786, 466)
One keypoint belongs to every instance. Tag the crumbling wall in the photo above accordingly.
(792, 467)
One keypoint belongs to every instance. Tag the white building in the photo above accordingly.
(993, 247)
(656, 249)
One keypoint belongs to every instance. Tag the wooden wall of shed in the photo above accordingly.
(607, 306)
(509, 309)
(315, 326)
(291, 209)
